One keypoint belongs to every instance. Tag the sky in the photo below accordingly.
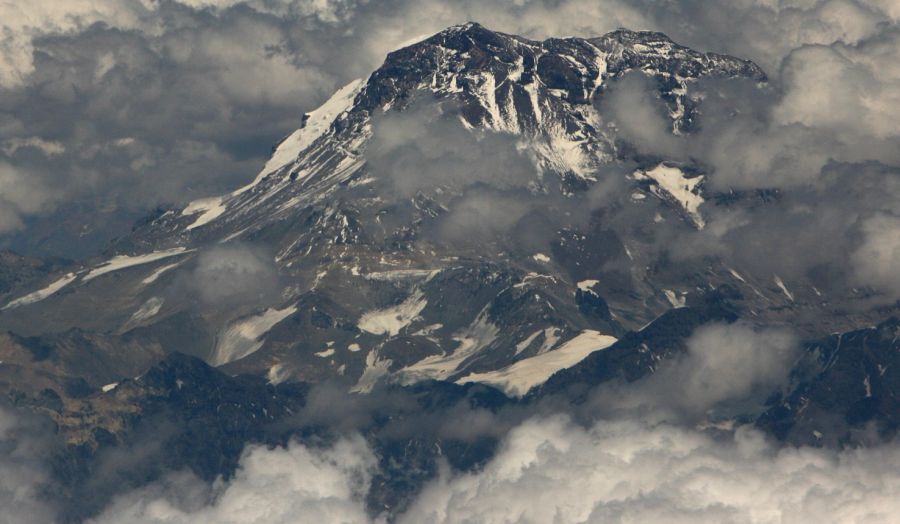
(111, 108)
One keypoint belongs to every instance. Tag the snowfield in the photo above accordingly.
(517, 379)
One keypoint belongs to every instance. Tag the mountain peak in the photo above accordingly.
(369, 283)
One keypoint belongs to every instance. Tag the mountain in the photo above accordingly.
(448, 218)
(464, 236)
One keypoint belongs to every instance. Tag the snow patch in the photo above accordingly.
(540, 257)
(245, 337)
(325, 354)
(148, 310)
(125, 261)
(109, 387)
(784, 289)
(376, 368)
(523, 345)
(392, 320)
(480, 334)
(737, 275)
(675, 300)
(211, 208)
(278, 373)
(586, 285)
(551, 337)
(398, 275)
(518, 378)
(152, 277)
(683, 190)
(41, 294)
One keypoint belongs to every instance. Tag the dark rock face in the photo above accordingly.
(846, 393)
(183, 415)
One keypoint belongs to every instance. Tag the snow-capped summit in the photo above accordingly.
(544, 92)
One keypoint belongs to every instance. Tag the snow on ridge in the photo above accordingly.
(674, 183)
(245, 336)
(317, 124)
(43, 293)
(519, 378)
(125, 261)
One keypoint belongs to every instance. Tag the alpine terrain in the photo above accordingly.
(468, 227)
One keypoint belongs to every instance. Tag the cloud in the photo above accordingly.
(20, 195)
(877, 259)
(281, 485)
(728, 362)
(550, 470)
(426, 146)
(23, 473)
(726, 370)
(482, 184)
(233, 275)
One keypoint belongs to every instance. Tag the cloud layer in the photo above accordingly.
(625, 471)
(281, 485)
(551, 470)
(23, 473)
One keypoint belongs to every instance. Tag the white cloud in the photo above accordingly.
(22, 22)
(47, 147)
(727, 368)
(231, 275)
(21, 193)
(850, 90)
(21, 471)
(550, 470)
(295, 485)
(877, 260)
(731, 361)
